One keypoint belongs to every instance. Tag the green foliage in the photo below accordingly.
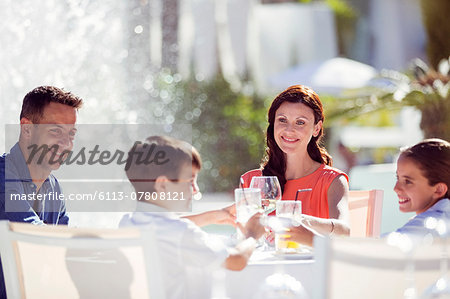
(228, 130)
(341, 8)
(427, 90)
(378, 111)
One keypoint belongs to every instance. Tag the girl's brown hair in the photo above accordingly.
(432, 157)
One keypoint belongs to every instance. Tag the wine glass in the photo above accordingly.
(270, 191)
(441, 287)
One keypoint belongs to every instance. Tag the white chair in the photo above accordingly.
(365, 211)
(370, 268)
(63, 262)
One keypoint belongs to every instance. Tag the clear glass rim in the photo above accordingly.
(247, 189)
(265, 176)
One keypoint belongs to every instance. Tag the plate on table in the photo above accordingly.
(303, 254)
(295, 256)
(272, 256)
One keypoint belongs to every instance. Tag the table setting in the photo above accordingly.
(277, 268)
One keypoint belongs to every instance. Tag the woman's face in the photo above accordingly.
(294, 127)
(413, 190)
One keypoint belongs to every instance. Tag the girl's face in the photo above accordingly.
(294, 126)
(412, 188)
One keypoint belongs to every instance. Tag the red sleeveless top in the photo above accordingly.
(314, 203)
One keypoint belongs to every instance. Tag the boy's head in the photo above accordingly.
(164, 164)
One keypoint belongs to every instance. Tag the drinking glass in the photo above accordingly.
(248, 203)
(270, 191)
(292, 210)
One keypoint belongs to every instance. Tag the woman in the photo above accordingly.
(295, 156)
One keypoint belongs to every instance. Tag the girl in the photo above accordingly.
(423, 181)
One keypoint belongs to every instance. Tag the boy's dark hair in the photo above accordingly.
(433, 157)
(36, 100)
(174, 155)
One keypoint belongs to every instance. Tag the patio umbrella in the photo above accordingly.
(331, 76)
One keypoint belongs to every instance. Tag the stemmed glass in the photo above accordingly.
(440, 288)
(270, 191)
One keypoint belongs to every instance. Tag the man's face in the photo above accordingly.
(56, 129)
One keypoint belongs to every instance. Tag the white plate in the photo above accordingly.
(295, 256)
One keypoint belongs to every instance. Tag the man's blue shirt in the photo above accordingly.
(16, 184)
(15, 180)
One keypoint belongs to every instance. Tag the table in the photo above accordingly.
(245, 283)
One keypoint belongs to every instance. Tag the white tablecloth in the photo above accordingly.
(246, 283)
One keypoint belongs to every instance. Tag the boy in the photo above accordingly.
(182, 244)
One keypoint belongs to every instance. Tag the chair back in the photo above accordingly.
(370, 268)
(63, 262)
(365, 210)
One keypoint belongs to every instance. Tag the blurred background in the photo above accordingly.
(380, 67)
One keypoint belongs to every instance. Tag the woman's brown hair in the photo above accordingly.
(274, 162)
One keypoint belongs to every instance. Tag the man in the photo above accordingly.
(28, 190)
(167, 185)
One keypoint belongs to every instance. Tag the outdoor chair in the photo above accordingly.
(365, 210)
(370, 268)
(63, 262)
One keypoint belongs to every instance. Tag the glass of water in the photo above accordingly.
(248, 203)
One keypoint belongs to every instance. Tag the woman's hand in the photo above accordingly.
(300, 234)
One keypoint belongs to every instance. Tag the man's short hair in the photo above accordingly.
(36, 100)
(177, 154)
